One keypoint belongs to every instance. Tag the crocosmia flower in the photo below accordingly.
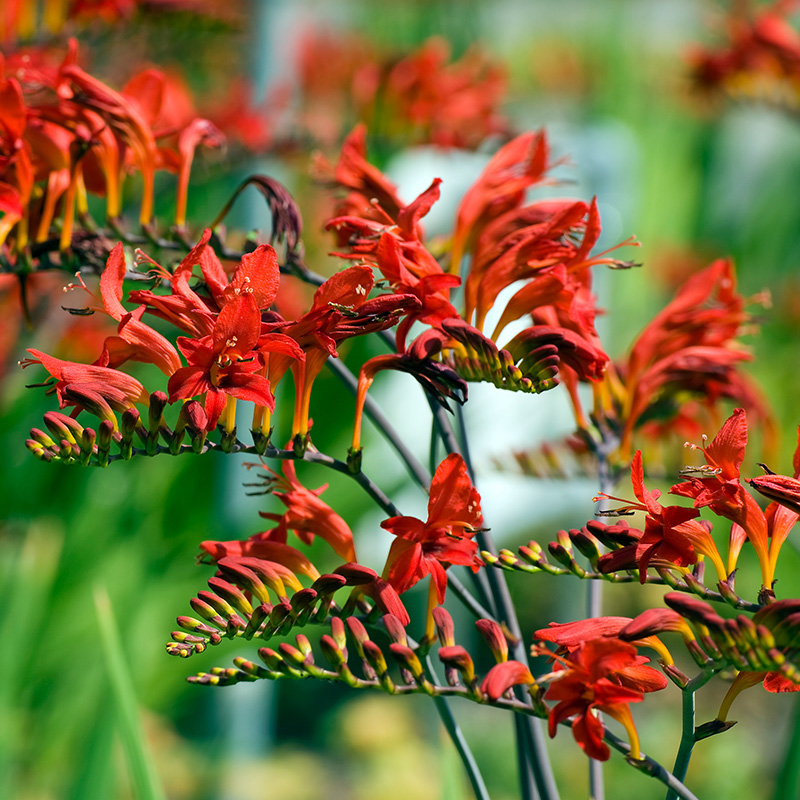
(601, 675)
(445, 538)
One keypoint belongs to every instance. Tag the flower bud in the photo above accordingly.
(408, 659)
(444, 626)
(375, 658)
(459, 658)
(231, 594)
(494, 637)
(395, 629)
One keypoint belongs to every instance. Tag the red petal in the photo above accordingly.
(502, 677)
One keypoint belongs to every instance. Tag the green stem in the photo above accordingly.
(457, 737)
(687, 738)
(533, 760)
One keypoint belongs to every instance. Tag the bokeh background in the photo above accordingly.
(96, 564)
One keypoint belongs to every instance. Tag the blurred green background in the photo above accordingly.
(96, 564)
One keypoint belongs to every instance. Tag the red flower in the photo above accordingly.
(719, 489)
(783, 513)
(223, 364)
(568, 636)
(89, 386)
(691, 346)
(672, 534)
(503, 676)
(601, 675)
(502, 186)
(445, 538)
(340, 310)
(305, 514)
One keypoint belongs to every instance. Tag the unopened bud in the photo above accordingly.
(105, 435)
(62, 426)
(444, 626)
(494, 637)
(407, 658)
(459, 658)
(395, 629)
(332, 652)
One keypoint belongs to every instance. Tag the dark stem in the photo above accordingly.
(534, 761)
(457, 737)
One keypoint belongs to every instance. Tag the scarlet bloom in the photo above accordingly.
(306, 515)
(223, 364)
(601, 675)
(672, 534)
(571, 635)
(422, 548)
(718, 487)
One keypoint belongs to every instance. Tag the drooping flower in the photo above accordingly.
(96, 388)
(784, 511)
(568, 636)
(689, 346)
(341, 309)
(503, 676)
(306, 514)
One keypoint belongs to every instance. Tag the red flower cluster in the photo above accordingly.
(545, 244)
(760, 58)
(235, 346)
(69, 133)
(422, 97)
(605, 675)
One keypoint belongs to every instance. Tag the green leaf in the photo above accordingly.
(144, 779)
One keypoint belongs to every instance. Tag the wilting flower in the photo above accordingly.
(87, 386)
(445, 538)
(600, 675)
(672, 534)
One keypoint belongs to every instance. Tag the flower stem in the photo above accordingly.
(457, 737)
(687, 738)
(533, 759)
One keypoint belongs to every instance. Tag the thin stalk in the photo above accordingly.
(594, 605)
(463, 594)
(457, 737)
(594, 597)
(414, 467)
(373, 411)
(687, 738)
(531, 749)
(651, 768)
